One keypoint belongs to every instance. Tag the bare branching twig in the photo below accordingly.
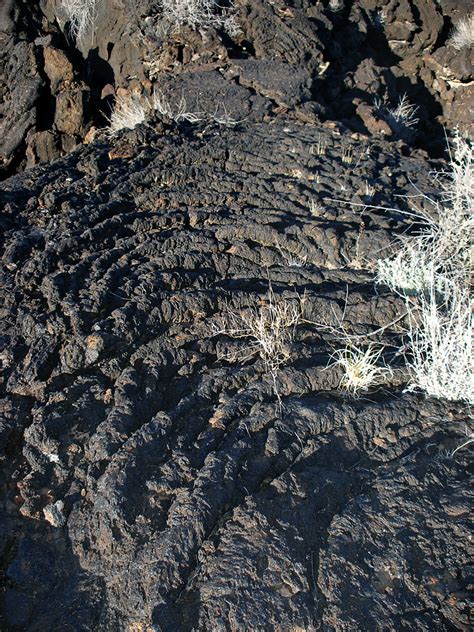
(269, 329)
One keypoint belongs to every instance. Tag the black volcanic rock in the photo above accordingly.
(150, 481)
(304, 60)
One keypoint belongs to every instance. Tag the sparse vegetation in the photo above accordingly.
(347, 154)
(319, 148)
(199, 15)
(360, 359)
(130, 111)
(436, 266)
(180, 112)
(463, 33)
(442, 248)
(269, 328)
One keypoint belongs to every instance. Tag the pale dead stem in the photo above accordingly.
(270, 328)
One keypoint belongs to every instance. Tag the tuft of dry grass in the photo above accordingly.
(128, 112)
(178, 112)
(401, 118)
(404, 113)
(362, 367)
(463, 33)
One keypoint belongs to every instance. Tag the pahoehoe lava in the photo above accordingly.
(149, 479)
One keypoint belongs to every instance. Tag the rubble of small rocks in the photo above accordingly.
(311, 61)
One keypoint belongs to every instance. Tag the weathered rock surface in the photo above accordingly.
(149, 480)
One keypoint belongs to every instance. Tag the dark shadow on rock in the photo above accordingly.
(43, 585)
(372, 62)
(99, 74)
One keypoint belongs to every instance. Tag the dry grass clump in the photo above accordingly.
(404, 113)
(128, 112)
(362, 367)
(401, 118)
(269, 328)
(360, 359)
(178, 112)
(199, 15)
(463, 33)
(81, 15)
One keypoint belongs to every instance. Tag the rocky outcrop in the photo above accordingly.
(154, 474)
(308, 61)
(20, 92)
(150, 480)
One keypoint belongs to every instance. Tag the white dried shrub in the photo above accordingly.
(440, 345)
(437, 266)
(336, 5)
(199, 15)
(80, 14)
(408, 271)
(179, 111)
(463, 33)
(443, 248)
